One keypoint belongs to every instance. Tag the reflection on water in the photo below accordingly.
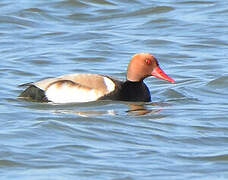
(141, 109)
(87, 113)
(136, 109)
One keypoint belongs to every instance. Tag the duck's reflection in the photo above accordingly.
(135, 109)
(141, 109)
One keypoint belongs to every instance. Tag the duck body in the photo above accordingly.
(73, 88)
(84, 88)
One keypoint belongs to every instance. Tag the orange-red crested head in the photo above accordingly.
(143, 65)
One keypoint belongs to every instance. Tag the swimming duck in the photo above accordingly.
(73, 88)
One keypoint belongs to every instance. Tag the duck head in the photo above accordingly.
(143, 65)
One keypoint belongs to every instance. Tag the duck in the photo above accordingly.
(86, 87)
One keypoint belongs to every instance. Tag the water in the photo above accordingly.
(182, 134)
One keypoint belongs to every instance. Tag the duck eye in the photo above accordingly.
(148, 61)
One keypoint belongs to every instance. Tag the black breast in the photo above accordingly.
(130, 91)
(135, 91)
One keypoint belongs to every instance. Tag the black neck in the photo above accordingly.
(133, 82)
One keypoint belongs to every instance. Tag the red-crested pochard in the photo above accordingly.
(73, 88)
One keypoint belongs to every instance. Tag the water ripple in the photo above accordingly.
(181, 134)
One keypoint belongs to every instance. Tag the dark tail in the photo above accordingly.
(33, 93)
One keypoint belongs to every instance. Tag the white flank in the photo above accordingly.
(109, 84)
(71, 94)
